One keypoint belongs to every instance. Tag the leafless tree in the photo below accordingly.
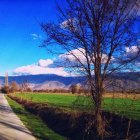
(75, 88)
(96, 38)
(14, 86)
(25, 86)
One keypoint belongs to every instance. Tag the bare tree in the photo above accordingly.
(25, 86)
(14, 86)
(75, 88)
(96, 38)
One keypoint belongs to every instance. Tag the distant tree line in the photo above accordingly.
(117, 87)
(15, 87)
(52, 90)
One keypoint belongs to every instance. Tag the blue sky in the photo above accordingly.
(20, 33)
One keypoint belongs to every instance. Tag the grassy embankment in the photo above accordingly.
(34, 123)
(122, 106)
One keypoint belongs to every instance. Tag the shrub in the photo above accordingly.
(5, 89)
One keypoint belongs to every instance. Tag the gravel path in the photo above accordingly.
(11, 127)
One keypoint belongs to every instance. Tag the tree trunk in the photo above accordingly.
(99, 120)
(100, 125)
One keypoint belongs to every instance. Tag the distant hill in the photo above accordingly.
(49, 80)
(50, 85)
(52, 81)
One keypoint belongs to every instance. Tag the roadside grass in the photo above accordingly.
(122, 106)
(34, 123)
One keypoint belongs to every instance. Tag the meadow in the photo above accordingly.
(127, 107)
(38, 128)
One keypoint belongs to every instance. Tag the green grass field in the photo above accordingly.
(122, 106)
(34, 123)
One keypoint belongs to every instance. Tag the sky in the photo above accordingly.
(21, 34)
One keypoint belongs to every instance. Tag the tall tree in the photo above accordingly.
(99, 37)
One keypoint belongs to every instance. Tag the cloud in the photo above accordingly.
(132, 52)
(67, 23)
(36, 36)
(45, 63)
(80, 54)
(138, 64)
(42, 67)
(132, 49)
(70, 24)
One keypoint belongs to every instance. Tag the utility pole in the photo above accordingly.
(6, 79)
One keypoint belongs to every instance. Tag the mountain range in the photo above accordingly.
(51, 81)
(44, 81)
